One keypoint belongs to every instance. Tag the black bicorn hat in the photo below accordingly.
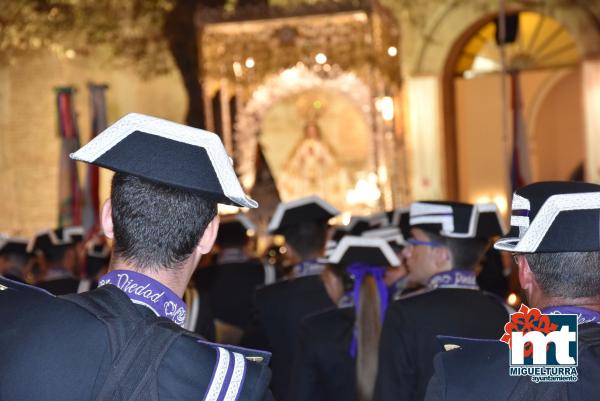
(13, 245)
(310, 208)
(97, 249)
(167, 153)
(554, 216)
(236, 226)
(356, 227)
(401, 218)
(369, 251)
(391, 235)
(457, 220)
(45, 240)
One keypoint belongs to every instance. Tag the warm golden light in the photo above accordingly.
(249, 62)
(278, 240)
(321, 58)
(591, 102)
(498, 199)
(346, 217)
(512, 299)
(365, 192)
(385, 105)
(392, 51)
(237, 69)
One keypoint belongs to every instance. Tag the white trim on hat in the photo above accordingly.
(431, 213)
(350, 241)
(91, 251)
(380, 219)
(519, 202)
(478, 208)
(69, 232)
(5, 239)
(398, 214)
(222, 163)
(329, 248)
(285, 206)
(555, 204)
(51, 234)
(354, 220)
(386, 233)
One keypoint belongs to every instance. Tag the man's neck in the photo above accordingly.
(175, 279)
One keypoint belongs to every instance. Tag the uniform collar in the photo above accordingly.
(584, 315)
(456, 278)
(308, 268)
(146, 291)
(58, 273)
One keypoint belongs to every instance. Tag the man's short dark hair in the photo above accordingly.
(306, 238)
(567, 274)
(466, 253)
(156, 226)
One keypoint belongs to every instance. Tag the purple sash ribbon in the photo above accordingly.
(584, 315)
(464, 279)
(146, 291)
(308, 268)
(358, 272)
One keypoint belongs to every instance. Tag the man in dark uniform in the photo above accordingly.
(230, 283)
(556, 241)
(448, 241)
(56, 251)
(282, 306)
(124, 340)
(330, 363)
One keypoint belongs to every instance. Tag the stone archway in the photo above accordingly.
(428, 41)
(462, 180)
(434, 31)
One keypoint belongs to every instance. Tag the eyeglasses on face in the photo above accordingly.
(416, 242)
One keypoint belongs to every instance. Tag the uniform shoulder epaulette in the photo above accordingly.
(230, 368)
(6, 283)
(416, 293)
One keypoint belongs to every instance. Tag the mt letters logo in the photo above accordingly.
(542, 346)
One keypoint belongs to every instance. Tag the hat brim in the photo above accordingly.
(507, 244)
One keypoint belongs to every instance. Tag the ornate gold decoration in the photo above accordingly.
(291, 81)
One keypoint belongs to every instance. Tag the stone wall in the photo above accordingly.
(29, 143)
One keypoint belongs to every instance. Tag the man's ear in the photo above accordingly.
(442, 257)
(106, 219)
(208, 238)
(526, 277)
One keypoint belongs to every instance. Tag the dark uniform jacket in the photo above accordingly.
(60, 286)
(479, 371)
(280, 310)
(53, 349)
(231, 287)
(323, 369)
(408, 338)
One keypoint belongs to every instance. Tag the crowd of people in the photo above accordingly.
(403, 305)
